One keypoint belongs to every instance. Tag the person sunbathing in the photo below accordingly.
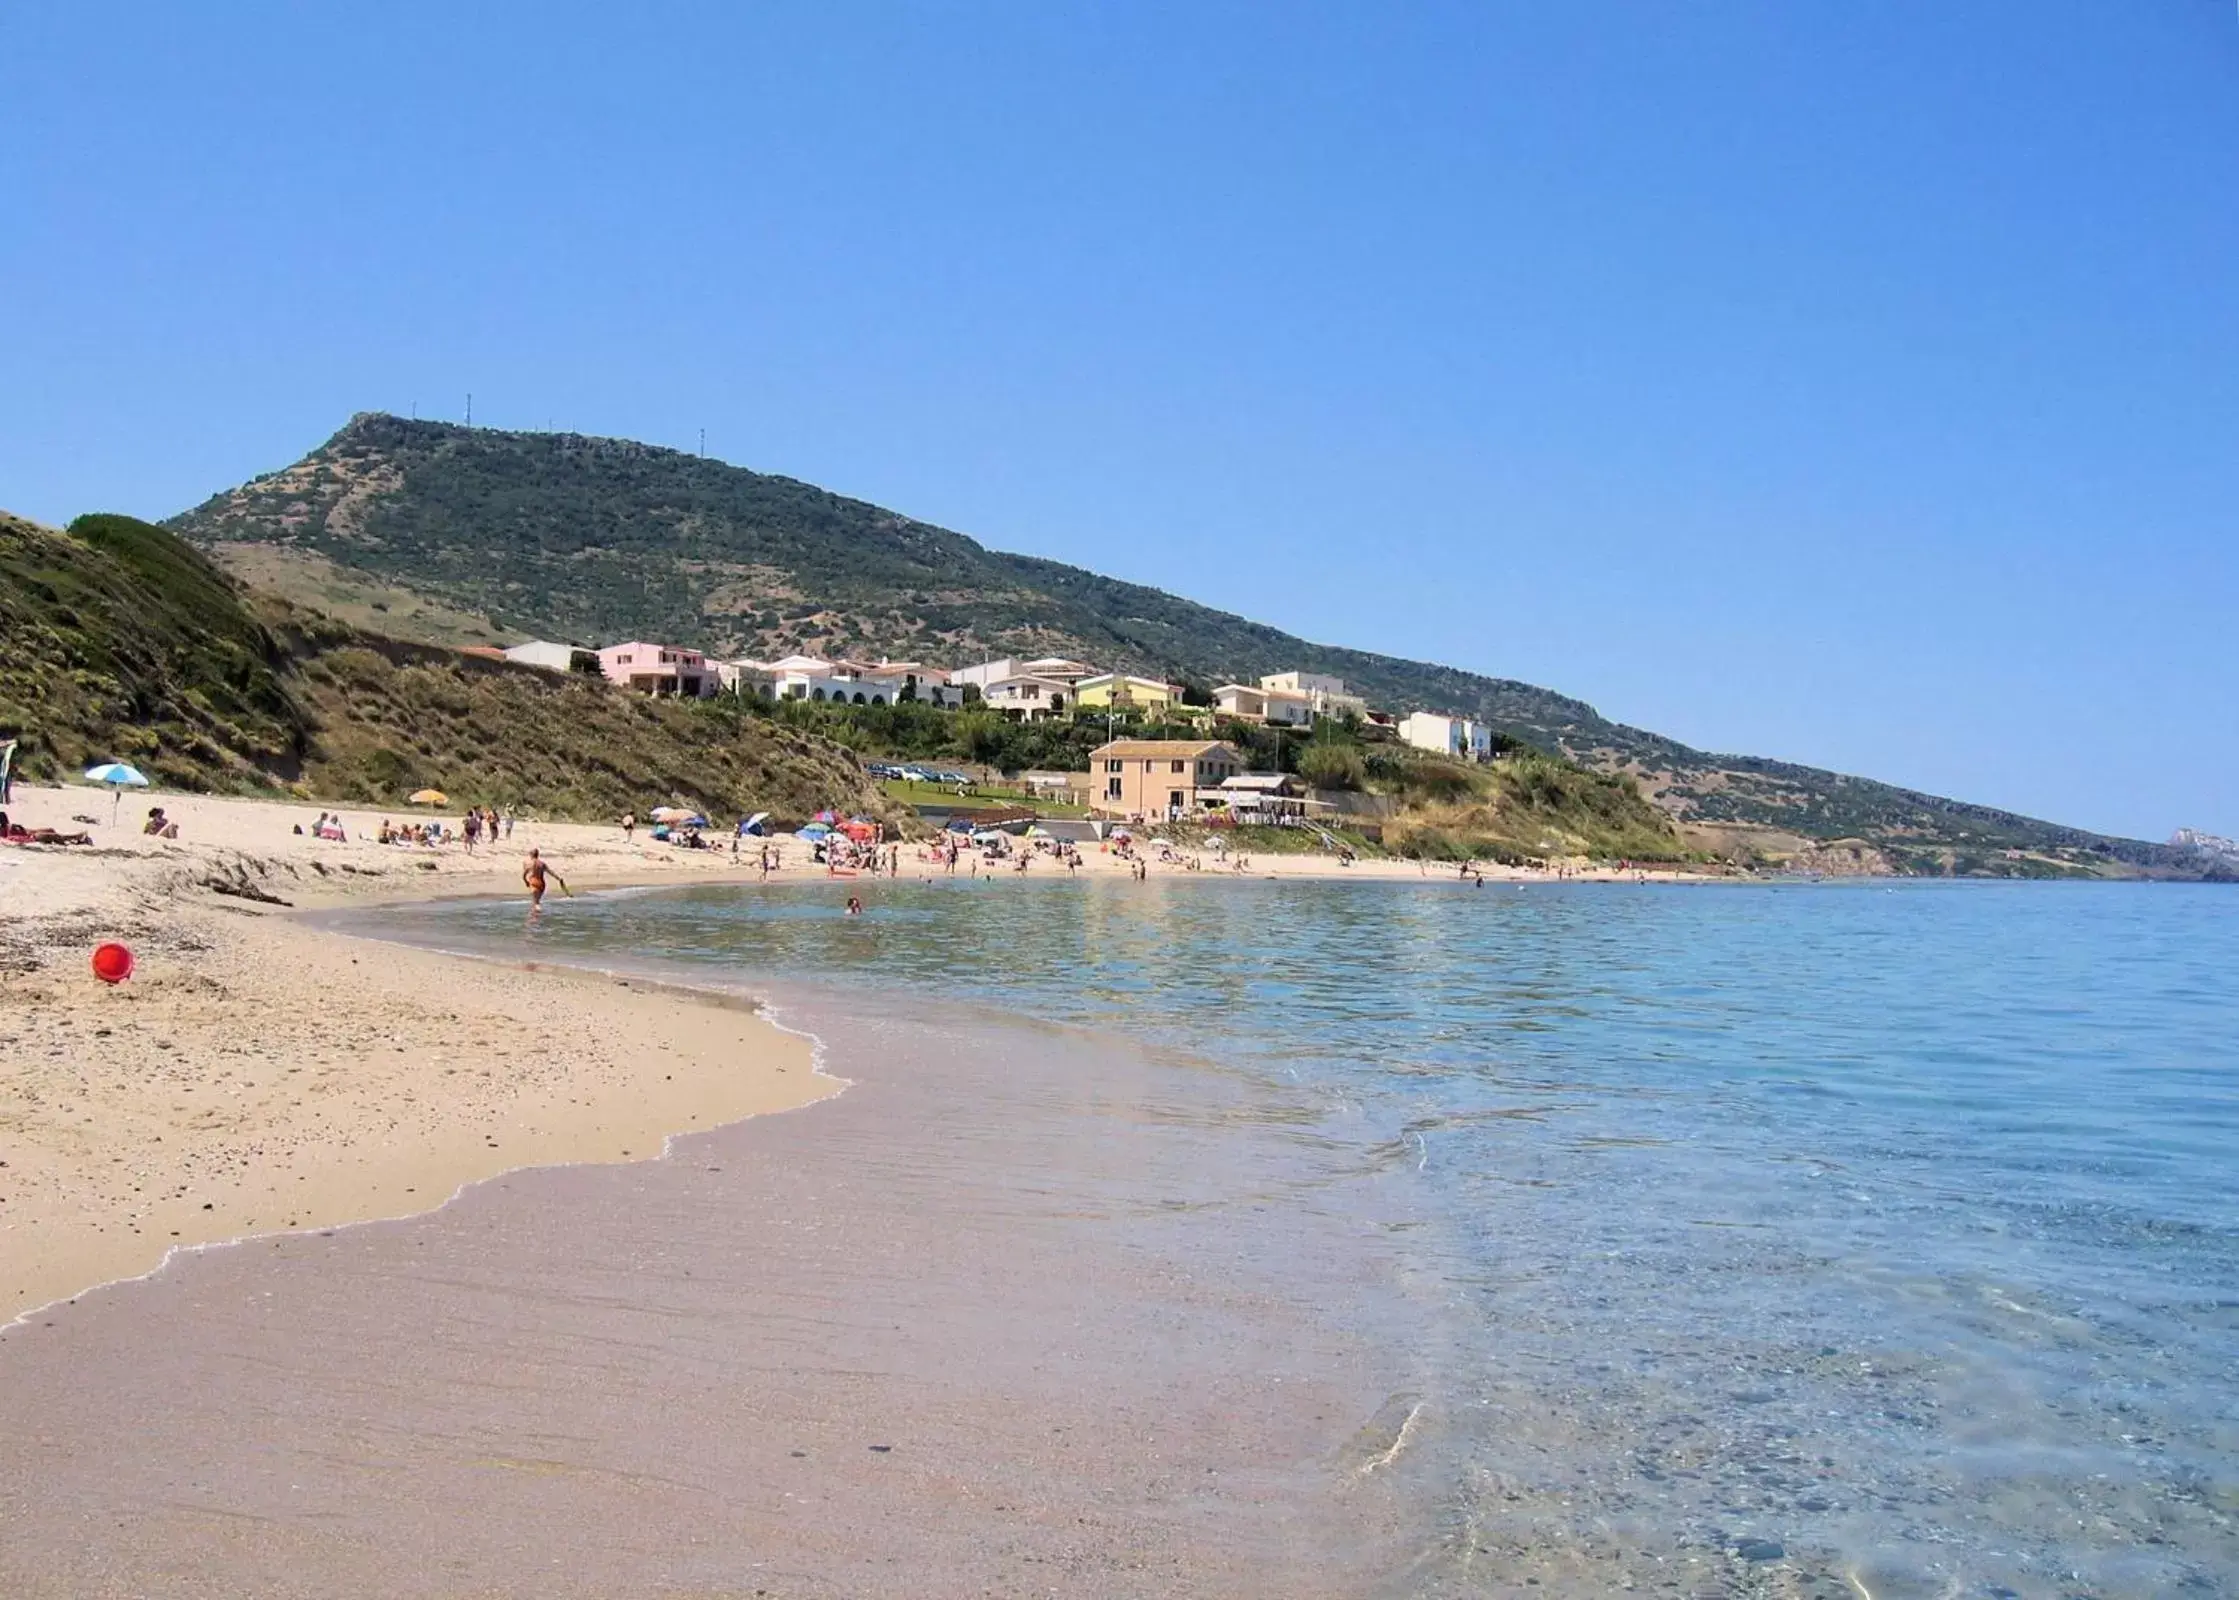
(159, 826)
(15, 833)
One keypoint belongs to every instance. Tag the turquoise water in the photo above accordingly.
(1882, 1237)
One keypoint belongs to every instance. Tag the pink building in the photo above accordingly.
(657, 669)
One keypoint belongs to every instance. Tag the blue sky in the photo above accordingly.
(1856, 385)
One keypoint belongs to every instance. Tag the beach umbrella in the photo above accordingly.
(119, 776)
(754, 823)
(959, 824)
(814, 830)
(428, 797)
(672, 814)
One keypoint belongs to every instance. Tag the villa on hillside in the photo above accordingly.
(657, 669)
(1157, 777)
(805, 677)
(1449, 736)
(1059, 669)
(1282, 708)
(1325, 696)
(1028, 696)
(1119, 691)
(916, 681)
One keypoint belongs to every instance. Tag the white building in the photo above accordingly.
(802, 677)
(552, 657)
(914, 680)
(1061, 669)
(1029, 696)
(745, 676)
(1283, 708)
(1325, 696)
(1449, 736)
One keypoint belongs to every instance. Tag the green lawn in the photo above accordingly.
(979, 797)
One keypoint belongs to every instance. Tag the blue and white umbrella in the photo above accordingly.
(119, 776)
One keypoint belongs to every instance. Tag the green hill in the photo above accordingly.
(118, 640)
(600, 539)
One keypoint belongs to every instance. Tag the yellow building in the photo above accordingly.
(1116, 691)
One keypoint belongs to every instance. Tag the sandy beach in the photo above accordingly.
(777, 1314)
(258, 1075)
(255, 1075)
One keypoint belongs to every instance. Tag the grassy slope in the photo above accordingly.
(119, 642)
(313, 582)
(1525, 806)
(116, 639)
(593, 539)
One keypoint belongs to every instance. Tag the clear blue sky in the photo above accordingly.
(1852, 384)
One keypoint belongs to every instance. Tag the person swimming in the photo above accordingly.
(854, 905)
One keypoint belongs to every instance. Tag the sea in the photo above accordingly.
(1860, 1238)
(1882, 1230)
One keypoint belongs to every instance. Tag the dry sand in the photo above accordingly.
(256, 1075)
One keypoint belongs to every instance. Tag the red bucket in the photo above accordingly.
(112, 963)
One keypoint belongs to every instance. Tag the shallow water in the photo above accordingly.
(1845, 1239)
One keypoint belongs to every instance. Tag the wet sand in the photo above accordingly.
(1022, 1312)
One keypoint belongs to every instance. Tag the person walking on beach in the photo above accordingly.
(629, 826)
(534, 871)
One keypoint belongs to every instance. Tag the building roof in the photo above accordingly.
(1029, 677)
(648, 644)
(1259, 782)
(1123, 677)
(1157, 749)
(1260, 693)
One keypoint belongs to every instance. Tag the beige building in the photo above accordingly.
(1285, 708)
(1158, 777)
(1325, 696)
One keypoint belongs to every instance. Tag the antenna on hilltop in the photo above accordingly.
(703, 441)
(470, 408)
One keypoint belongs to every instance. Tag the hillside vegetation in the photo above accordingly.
(594, 540)
(117, 640)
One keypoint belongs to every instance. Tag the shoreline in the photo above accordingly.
(254, 1078)
(982, 1333)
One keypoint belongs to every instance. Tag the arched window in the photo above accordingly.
(816, 694)
(859, 700)
(876, 699)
